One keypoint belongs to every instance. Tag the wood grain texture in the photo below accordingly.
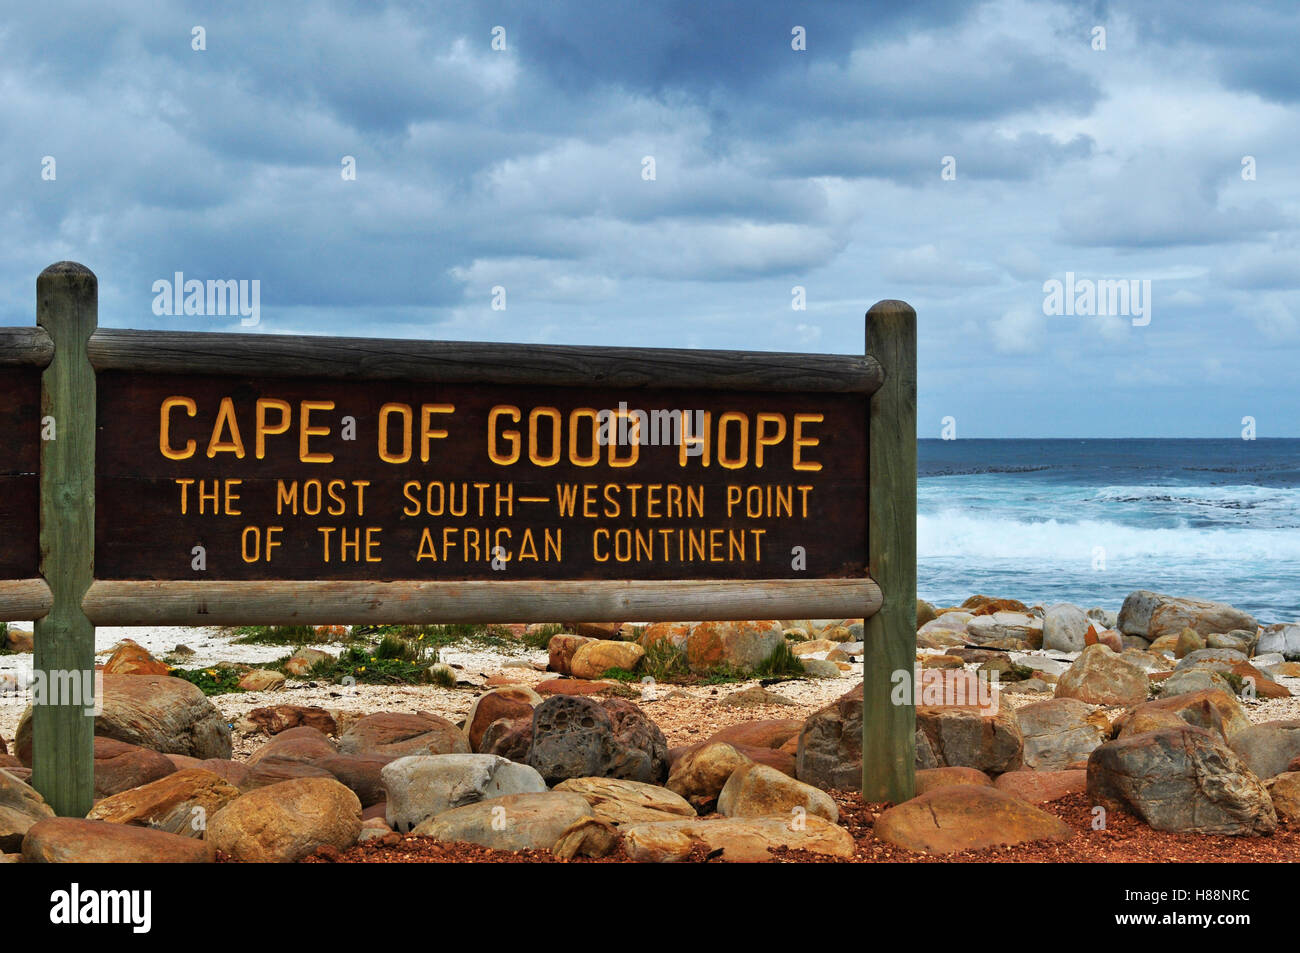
(274, 355)
(22, 600)
(889, 729)
(63, 734)
(25, 347)
(413, 602)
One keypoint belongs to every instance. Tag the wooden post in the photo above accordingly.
(63, 725)
(889, 728)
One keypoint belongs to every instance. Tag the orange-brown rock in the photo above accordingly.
(1039, 787)
(61, 840)
(966, 817)
(133, 659)
(931, 779)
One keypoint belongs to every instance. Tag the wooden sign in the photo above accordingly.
(231, 479)
(321, 479)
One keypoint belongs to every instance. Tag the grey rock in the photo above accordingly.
(419, 787)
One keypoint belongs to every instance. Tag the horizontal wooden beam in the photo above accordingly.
(25, 347)
(24, 600)
(115, 602)
(275, 355)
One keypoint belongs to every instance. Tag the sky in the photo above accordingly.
(667, 175)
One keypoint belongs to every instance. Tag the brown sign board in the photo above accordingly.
(326, 479)
(20, 455)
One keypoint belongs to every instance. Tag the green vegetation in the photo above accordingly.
(212, 681)
(667, 665)
(278, 635)
(402, 662)
(781, 663)
(540, 638)
(437, 636)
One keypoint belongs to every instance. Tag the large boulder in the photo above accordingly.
(1283, 638)
(510, 738)
(180, 803)
(931, 779)
(967, 736)
(64, 840)
(120, 766)
(1064, 628)
(1039, 787)
(616, 801)
(510, 701)
(700, 774)
(595, 658)
(829, 755)
(1284, 789)
(1268, 748)
(274, 719)
(755, 790)
(287, 821)
(533, 821)
(399, 735)
(302, 744)
(358, 772)
(1100, 677)
(1218, 712)
(560, 651)
(21, 806)
(1153, 614)
(131, 658)
(966, 817)
(422, 786)
(165, 714)
(576, 737)
(1180, 779)
(738, 840)
(1058, 732)
(767, 733)
(1006, 630)
(740, 646)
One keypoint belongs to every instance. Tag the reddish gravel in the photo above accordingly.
(1126, 840)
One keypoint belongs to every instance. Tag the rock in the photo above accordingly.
(755, 790)
(274, 719)
(262, 680)
(1100, 677)
(966, 817)
(924, 612)
(931, 779)
(942, 661)
(968, 737)
(1192, 680)
(561, 649)
(62, 840)
(700, 774)
(1216, 711)
(1004, 628)
(164, 714)
(514, 701)
(301, 662)
(1240, 641)
(829, 755)
(812, 647)
(287, 821)
(1267, 748)
(1220, 659)
(1153, 615)
(1180, 779)
(769, 733)
(674, 634)
(18, 640)
(1284, 637)
(1284, 789)
(820, 668)
(423, 786)
(756, 696)
(304, 744)
(510, 738)
(1058, 732)
(981, 604)
(746, 840)
(576, 737)
(1064, 627)
(1189, 641)
(595, 658)
(133, 659)
(360, 773)
(233, 771)
(1149, 662)
(1104, 617)
(574, 686)
(615, 801)
(588, 837)
(1040, 787)
(740, 646)
(400, 735)
(513, 822)
(179, 803)
(595, 630)
(273, 771)
(21, 806)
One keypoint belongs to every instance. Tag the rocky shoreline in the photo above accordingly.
(1053, 732)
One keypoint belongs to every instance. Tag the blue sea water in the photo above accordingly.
(1088, 521)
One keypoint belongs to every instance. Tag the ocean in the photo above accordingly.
(1088, 521)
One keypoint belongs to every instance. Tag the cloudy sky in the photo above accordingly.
(954, 154)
